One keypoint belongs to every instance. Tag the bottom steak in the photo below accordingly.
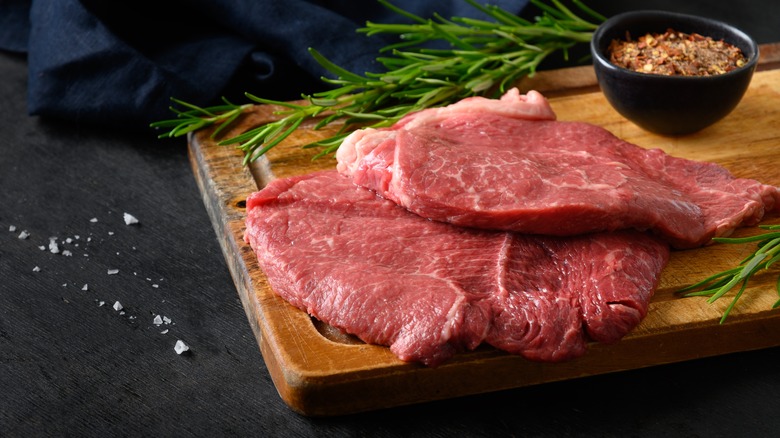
(429, 289)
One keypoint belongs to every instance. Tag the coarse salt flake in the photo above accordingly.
(93, 220)
(85, 287)
(157, 320)
(53, 247)
(130, 219)
(67, 253)
(37, 269)
(181, 347)
(118, 306)
(112, 271)
(24, 234)
(12, 228)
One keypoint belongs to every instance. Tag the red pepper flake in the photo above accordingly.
(676, 53)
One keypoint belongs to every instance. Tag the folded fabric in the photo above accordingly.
(120, 62)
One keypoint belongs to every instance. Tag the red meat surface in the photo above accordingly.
(507, 164)
(430, 289)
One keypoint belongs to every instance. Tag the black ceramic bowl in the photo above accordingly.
(671, 105)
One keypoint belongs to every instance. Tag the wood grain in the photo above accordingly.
(318, 371)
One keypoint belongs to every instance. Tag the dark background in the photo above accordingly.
(70, 366)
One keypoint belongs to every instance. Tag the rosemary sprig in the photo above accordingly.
(196, 118)
(484, 58)
(717, 285)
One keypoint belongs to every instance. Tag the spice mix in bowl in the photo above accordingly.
(670, 73)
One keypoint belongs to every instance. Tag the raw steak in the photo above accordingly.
(430, 289)
(507, 164)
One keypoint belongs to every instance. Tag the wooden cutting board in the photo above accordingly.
(318, 371)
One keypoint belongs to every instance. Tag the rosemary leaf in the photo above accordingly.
(197, 118)
(335, 69)
(717, 285)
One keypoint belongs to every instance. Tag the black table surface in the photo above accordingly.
(73, 365)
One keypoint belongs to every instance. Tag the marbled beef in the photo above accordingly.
(507, 164)
(430, 289)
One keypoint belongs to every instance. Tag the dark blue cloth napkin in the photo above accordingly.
(119, 62)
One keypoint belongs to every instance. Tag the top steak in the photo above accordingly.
(508, 164)
(430, 289)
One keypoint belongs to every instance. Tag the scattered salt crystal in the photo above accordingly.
(68, 240)
(121, 312)
(77, 237)
(67, 253)
(36, 269)
(118, 306)
(130, 219)
(157, 320)
(164, 332)
(93, 220)
(155, 286)
(11, 228)
(112, 271)
(64, 284)
(42, 247)
(24, 234)
(85, 287)
(110, 233)
(102, 303)
(166, 320)
(181, 347)
(53, 247)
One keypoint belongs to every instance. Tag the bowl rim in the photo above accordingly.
(615, 20)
